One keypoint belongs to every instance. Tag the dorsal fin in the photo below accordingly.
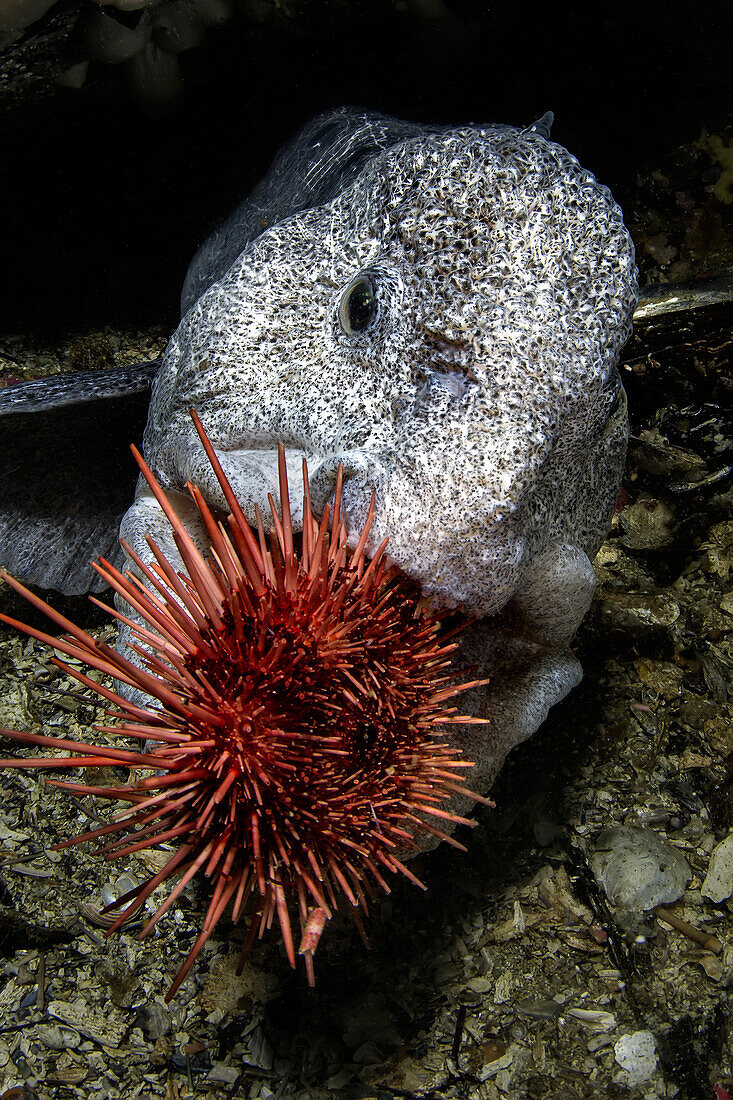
(542, 126)
(319, 162)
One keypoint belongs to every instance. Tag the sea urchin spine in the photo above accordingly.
(298, 698)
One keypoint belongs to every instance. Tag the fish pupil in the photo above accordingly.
(360, 306)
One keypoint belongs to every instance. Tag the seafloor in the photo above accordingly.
(511, 977)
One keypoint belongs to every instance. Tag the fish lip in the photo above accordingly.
(433, 564)
(445, 586)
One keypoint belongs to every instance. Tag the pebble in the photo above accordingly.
(594, 1019)
(221, 1074)
(58, 1038)
(154, 1020)
(646, 525)
(636, 1054)
(656, 456)
(539, 1009)
(638, 870)
(718, 884)
(638, 612)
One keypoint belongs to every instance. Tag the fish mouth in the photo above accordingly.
(543, 593)
(428, 539)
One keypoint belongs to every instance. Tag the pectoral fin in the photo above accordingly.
(66, 472)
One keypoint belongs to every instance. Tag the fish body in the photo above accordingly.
(439, 311)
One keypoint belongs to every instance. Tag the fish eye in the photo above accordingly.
(358, 306)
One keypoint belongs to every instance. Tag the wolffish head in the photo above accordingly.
(446, 325)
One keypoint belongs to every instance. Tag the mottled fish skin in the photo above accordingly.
(480, 401)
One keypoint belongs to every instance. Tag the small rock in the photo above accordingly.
(58, 1038)
(718, 884)
(539, 1009)
(646, 525)
(74, 76)
(105, 1028)
(257, 1049)
(338, 1080)
(480, 985)
(546, 831)
(504, 988)
(713, 966)
(638, 870)
(491, 1069)
(613, 564)
(70, 1069)
(154, 1020)
(112, 42)
(637, 1055)
(652, 453)
(221, 1074)
(176, 27)
(636, 613)
(162, 1051)
(718, 731)
(594, 1019)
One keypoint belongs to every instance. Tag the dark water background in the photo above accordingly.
(101, 207)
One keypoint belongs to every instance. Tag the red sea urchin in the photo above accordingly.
(298, 698)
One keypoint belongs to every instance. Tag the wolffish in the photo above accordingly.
(441, 311)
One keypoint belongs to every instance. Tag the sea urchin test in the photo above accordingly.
(299, 700)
